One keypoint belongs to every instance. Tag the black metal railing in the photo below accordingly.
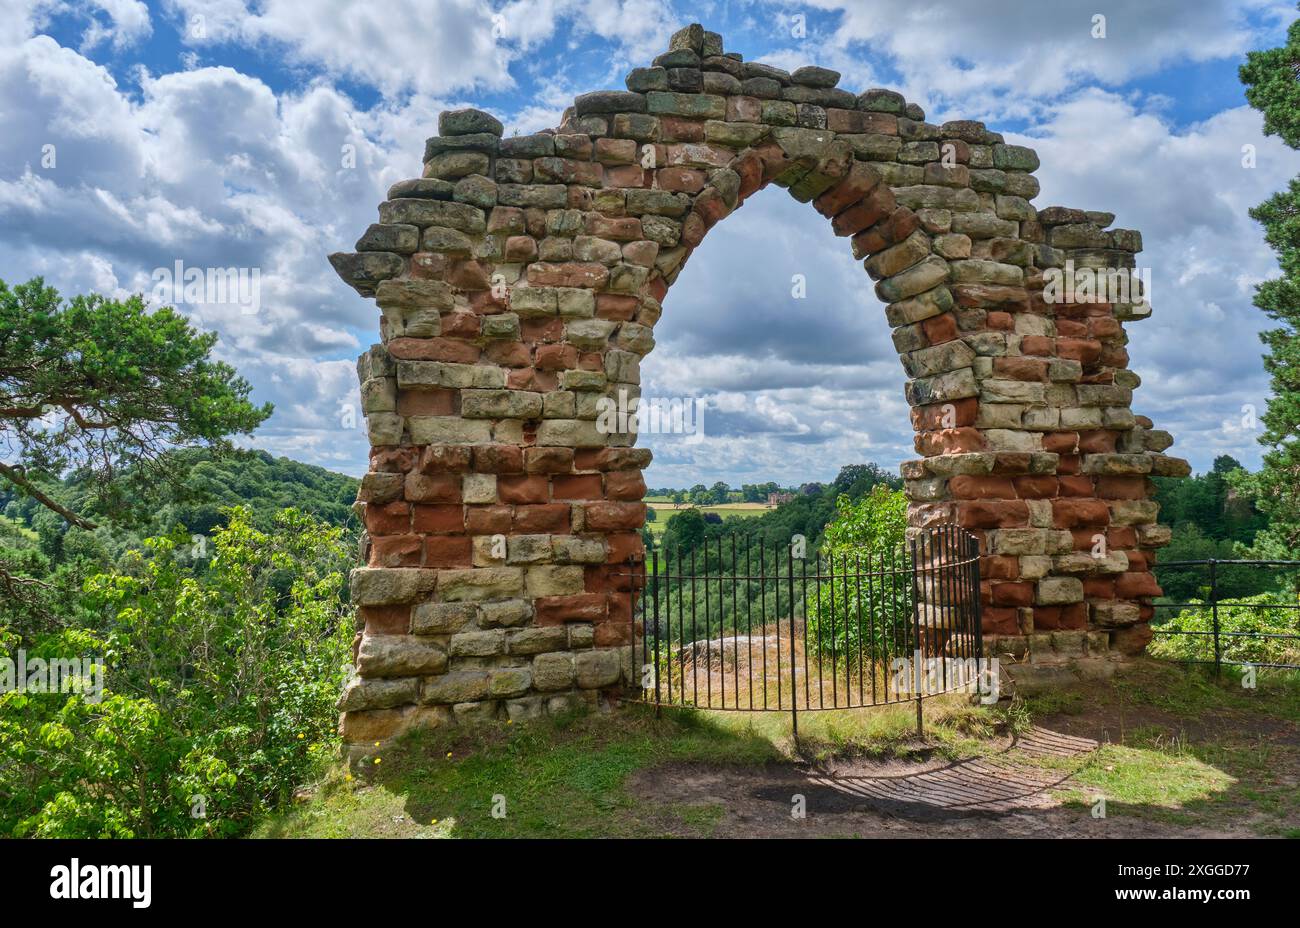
(746, 625)
(1218, 639)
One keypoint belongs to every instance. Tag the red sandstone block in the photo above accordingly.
(1121, 537)
(1000, 567)
(624, 485)
(1075, 512)
(1000, 321)
(1020, 368)
(498, 459)
(1097, 442)
(1122, 487)
(396, 551)
(580, 607)
(576, 486)
(992, 514)
(964, 486)
(426, 402)
(546, 518)
(949, 441)
(940, 329)
(1000, 621)
(461, 325)
(450, 350)
(616, 307)
(624, 547)
(1141, 560)
(1099, 588)
(548, 460)
(678, 129)
(528, 378)
(1041, 346)
(556, 357)
(445, 459)
(1071, 328)
(1115, 356)
(1036, 486)
(613, 517)
(625, 175)
(1104, 327)
(680, 180)
(1076, 485)
(958, 413)
(388, 519)
(386, 620)
(520, 249)
(392, 460)
(529, 488)
(1011, 463)
(1085, 539)
(1134, 585)
(1052, 618)
(1013, 594)
(488, 520)
(1085, 350)
(433, 488)
(611, 633)
(439, 519)
(1067, 464)
(614, 228)
(864, 214)
(446, 551)
(1061, 442)
(859, 182)
(570, 274)
(542, 329)
(588, 459)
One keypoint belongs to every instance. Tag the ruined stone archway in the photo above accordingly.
(519, 282)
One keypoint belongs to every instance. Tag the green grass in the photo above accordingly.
(565, 777)
(664, 511)
(1187, 749)
(1183, 750)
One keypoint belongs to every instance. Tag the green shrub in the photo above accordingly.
(219, 689)
(867, 616)
(1276, 620)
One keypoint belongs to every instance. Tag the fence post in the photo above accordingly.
(917, 589)
(1214, 612)
(654, 560)
(794, 682)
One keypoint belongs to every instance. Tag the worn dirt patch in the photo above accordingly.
(1001, 794)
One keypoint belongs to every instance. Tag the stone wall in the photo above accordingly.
(519, 282)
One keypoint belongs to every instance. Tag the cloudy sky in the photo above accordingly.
(263, 135)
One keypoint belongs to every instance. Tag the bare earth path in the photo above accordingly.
(1007, 793)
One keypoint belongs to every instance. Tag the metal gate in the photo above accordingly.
(742, 624)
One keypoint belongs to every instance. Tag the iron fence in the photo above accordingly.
(1216, 637)
(746, 625)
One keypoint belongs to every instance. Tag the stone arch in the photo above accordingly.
(520, 279)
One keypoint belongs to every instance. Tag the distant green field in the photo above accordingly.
(665, 511)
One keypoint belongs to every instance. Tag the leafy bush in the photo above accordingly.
(1277, 620)
(865, 616)
(219, 689)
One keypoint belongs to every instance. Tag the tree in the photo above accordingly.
(106, 388)
(1272, 80)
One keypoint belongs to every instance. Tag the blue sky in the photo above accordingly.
(215, 133)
